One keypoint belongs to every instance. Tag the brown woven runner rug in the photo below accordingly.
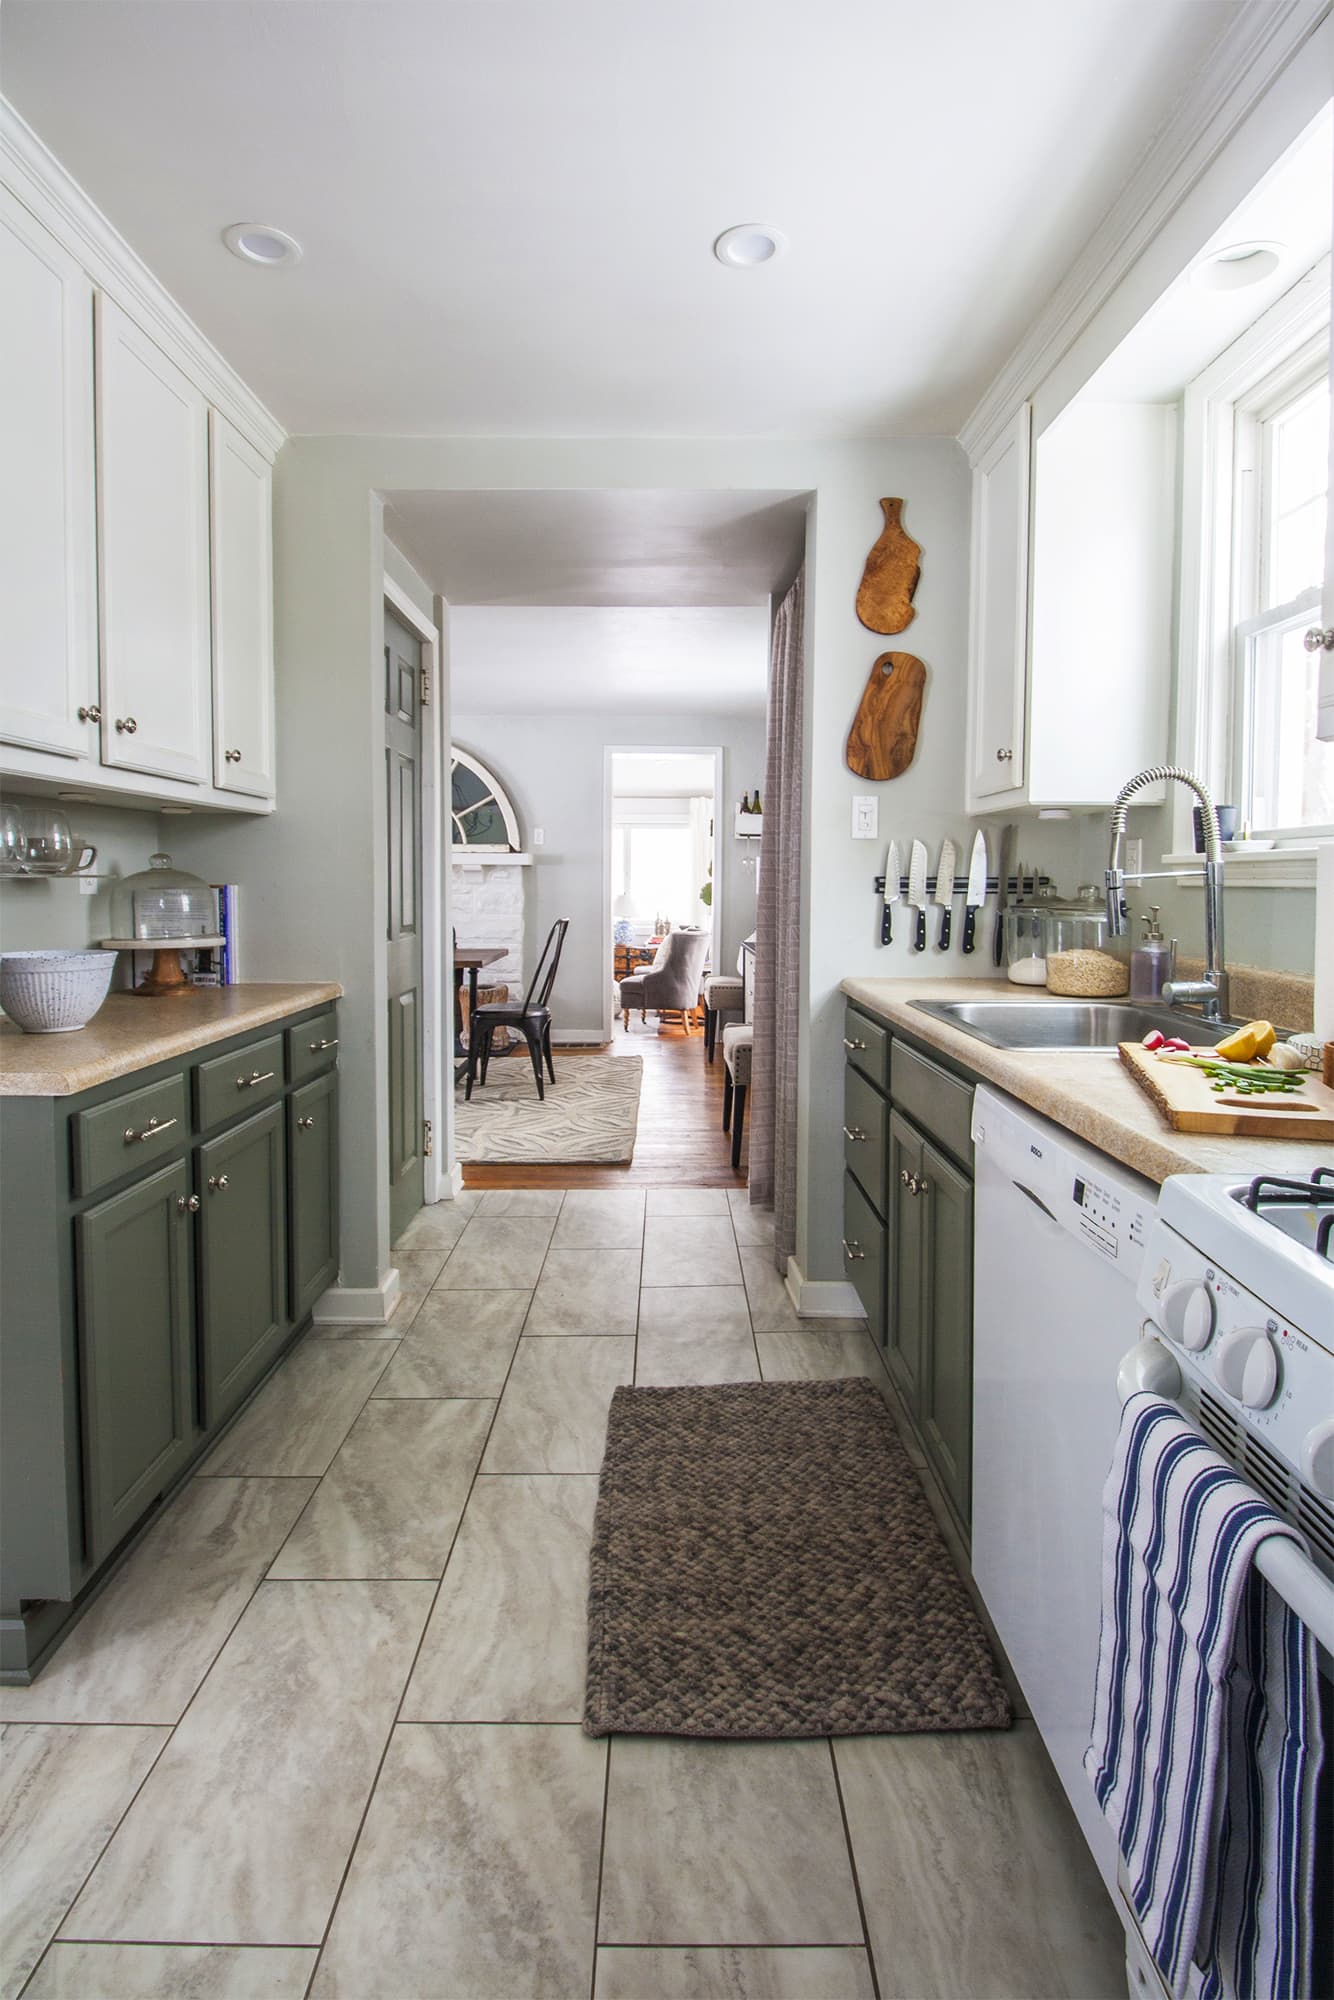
(765, 1564)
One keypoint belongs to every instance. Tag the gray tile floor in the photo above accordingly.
(319, 1740)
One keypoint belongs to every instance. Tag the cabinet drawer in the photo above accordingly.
(312, 1046)
(242, 1081)
(938, 1101)
(864, 1255)
(864, 1112)
(128, 1133)
(866, 1044)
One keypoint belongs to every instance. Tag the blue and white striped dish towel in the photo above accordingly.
(1206, 1739)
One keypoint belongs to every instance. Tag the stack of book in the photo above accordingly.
(218, 965)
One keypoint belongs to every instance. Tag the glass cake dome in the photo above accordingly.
(163, 902)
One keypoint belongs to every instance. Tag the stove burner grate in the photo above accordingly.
(1275, 1191)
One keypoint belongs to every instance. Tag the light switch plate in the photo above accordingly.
(539, 837)
(865, 816)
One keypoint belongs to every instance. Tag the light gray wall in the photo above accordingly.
(38, 915)
(552, 768)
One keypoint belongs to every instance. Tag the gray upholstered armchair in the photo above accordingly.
(671, 982)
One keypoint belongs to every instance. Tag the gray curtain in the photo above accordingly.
(773, 1108)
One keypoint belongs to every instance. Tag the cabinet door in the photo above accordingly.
(998, 613)
(152, 482)
(946, 1413)
(135, 1347)
(241, 540)
(48, 578)
(864, 1255)
(312, 1198)
(903, 1289)
(242, 1258)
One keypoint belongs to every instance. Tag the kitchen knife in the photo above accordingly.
(892, 880)
(1009, 841)
(917, 893)
(977, 891)
(945, 891)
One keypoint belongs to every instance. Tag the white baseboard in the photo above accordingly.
(578, 1038)
(451, 1184)
(349, 1305)
(822, 1298)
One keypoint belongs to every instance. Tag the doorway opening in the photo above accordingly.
(663, 874)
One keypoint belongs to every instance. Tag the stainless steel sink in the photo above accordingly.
(1069, 1024)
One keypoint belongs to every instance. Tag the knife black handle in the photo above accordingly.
(919, 936)
(886, 926)
(969, 928)
(945, 918)
(998, 943)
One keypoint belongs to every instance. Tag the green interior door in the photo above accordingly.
(402, 748)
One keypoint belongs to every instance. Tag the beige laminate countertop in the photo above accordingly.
(1087, 1093)
(128, 1033)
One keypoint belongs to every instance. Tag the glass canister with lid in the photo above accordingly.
(1026, 944)
(1082, 960)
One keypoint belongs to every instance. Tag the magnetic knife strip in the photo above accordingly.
(1018, 885)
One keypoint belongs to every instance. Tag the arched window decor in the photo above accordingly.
(483, 817)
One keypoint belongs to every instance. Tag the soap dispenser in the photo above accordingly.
(1153, 960)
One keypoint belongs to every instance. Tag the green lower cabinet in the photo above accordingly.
(242, 1258)
(312, 1155)
(946, 1408)
(904, 1326)
(136, 1322)
(864, 1255)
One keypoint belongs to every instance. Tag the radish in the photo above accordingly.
(1155, 1039)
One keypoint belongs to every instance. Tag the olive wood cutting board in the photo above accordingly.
(883, 737)
(884, 600)
(1189, 1105)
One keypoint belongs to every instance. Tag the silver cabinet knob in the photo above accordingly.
(853, 1132)
(851, 1046)
(1320, 639)
(126, 725)
(914, 1184)
(218, 1183)
(231, 756)
(853, 1252)
(1004, 756)
(305, 1124)
(93, 714)
(187, 1204)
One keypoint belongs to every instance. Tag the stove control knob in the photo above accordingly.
(1318, 1459)
(1188, 1316)
(1246, 1364)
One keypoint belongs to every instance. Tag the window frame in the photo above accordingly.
(1227, 403)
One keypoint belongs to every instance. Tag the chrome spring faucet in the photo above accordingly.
(1209, 994)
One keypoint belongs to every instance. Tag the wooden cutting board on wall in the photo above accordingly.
(885, 599)
(883, 737)
(1189, 1105)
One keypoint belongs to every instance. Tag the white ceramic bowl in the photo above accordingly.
(54, 992)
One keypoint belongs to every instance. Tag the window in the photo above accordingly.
(482, 815)
(1255, 492)
(1283, 777)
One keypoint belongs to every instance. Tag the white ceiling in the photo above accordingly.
(633, 546)
(694, 660)
(507, 208)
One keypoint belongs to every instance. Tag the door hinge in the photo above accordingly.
(427, 1140)
(426, 688)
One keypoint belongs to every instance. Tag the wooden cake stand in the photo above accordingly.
(166, 975)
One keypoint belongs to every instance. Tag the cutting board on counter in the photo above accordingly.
(1188, 1104)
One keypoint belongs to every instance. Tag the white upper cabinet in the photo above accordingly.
(48, 578)
(152, 490)
(998, 617)
(241, 517)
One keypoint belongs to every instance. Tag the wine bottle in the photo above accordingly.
(757, 808)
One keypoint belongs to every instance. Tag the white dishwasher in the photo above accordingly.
(1059, 1241)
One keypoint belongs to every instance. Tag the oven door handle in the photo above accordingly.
(1148, 1366)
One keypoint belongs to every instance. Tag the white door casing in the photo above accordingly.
(48, 576)
(241, 542)
(153, 555)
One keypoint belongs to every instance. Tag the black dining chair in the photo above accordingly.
(531, 1016)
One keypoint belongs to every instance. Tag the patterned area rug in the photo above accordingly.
(765, 1564)
(590, 1111)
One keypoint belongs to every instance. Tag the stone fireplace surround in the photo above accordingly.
(488, 910)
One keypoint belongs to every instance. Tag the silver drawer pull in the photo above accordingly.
(218, 1183)
(852, 1253)
(305, 1124)
(853, 1132)
(850, 1046)
(151, 1130)
(316, 1048)
(255, 1076)
(187, 1204)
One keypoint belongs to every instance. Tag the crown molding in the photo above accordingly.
(38, 180)
(1243, 66)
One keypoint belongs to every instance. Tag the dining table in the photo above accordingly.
(469, 959)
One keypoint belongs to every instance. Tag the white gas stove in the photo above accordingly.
(1238, 1279)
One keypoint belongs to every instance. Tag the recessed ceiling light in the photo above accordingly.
(748, 243)
(1236, 266)
(260, 243)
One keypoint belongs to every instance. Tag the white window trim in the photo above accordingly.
(1205, 659)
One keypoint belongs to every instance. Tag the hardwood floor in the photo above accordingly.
(680, 1141)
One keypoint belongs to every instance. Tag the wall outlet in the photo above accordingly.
(539, 836)
(1134, 857)
(87, 888)
(865, 816)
